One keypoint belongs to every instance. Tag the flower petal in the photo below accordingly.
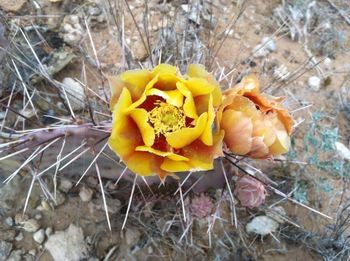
(259, 149)
(143, 97)
(198, 70)
(199, 86)
(136, 81)
(140, 116)
(125, 136)
(238, 131)
(175, 166)
(189, 105)
(183, 137)
(173, 97)
(145, 164)
(164, 154)
(282, 143)
(116, 85)
(207, 135)
(164, 68)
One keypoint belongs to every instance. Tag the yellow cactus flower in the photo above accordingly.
(163, 121)
(255, 125)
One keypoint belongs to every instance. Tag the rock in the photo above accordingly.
(12, 5)
(39, 236)
(48, 231)
(113, 205)
(281, 72)
(85, 194)
(71, 30)
(32, 252)
(16, 255)
(68, 245)
(65, 185)
(314, 83)
(269, 44)
(60, 198)
(9, 221)
(5, 249)
(262, 225)
(342, 150)
(328, 63)
(132, 236)
(277, 213)
(10, 194)
(75, 93)
(29, 225)
(266, 46)
(38, 216)
(19, 237)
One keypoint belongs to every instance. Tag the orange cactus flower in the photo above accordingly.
(255, 124)
(163, 121)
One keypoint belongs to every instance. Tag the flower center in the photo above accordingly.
(166, 118)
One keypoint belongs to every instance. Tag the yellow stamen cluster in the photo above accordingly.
(167, 118)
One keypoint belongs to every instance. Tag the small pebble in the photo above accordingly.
(314, 83)
(32, 252)
(38, 216)
(65, 185)
(9, 221)
(48, 231)
(85, 194)
(39, 236)
(19, 237)
(262, 225)
(269, 44)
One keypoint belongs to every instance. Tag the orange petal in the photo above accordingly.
(238, 131)
(259, 149)
(185, 136)
(264, 127)
(140, 116)
(282, 143)
(243, 104)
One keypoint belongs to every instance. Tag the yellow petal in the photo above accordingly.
(143, 97)
(185, 136)
(175, 166)
(164, 68)
(116, 86)
(164, 154)
(136, 81)
(207, 135)
(199, 86)
(125, 136)
(140, 116)
(198, 70)
(173, 97)
(189, 105)
(238, 131)
(144, 163)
